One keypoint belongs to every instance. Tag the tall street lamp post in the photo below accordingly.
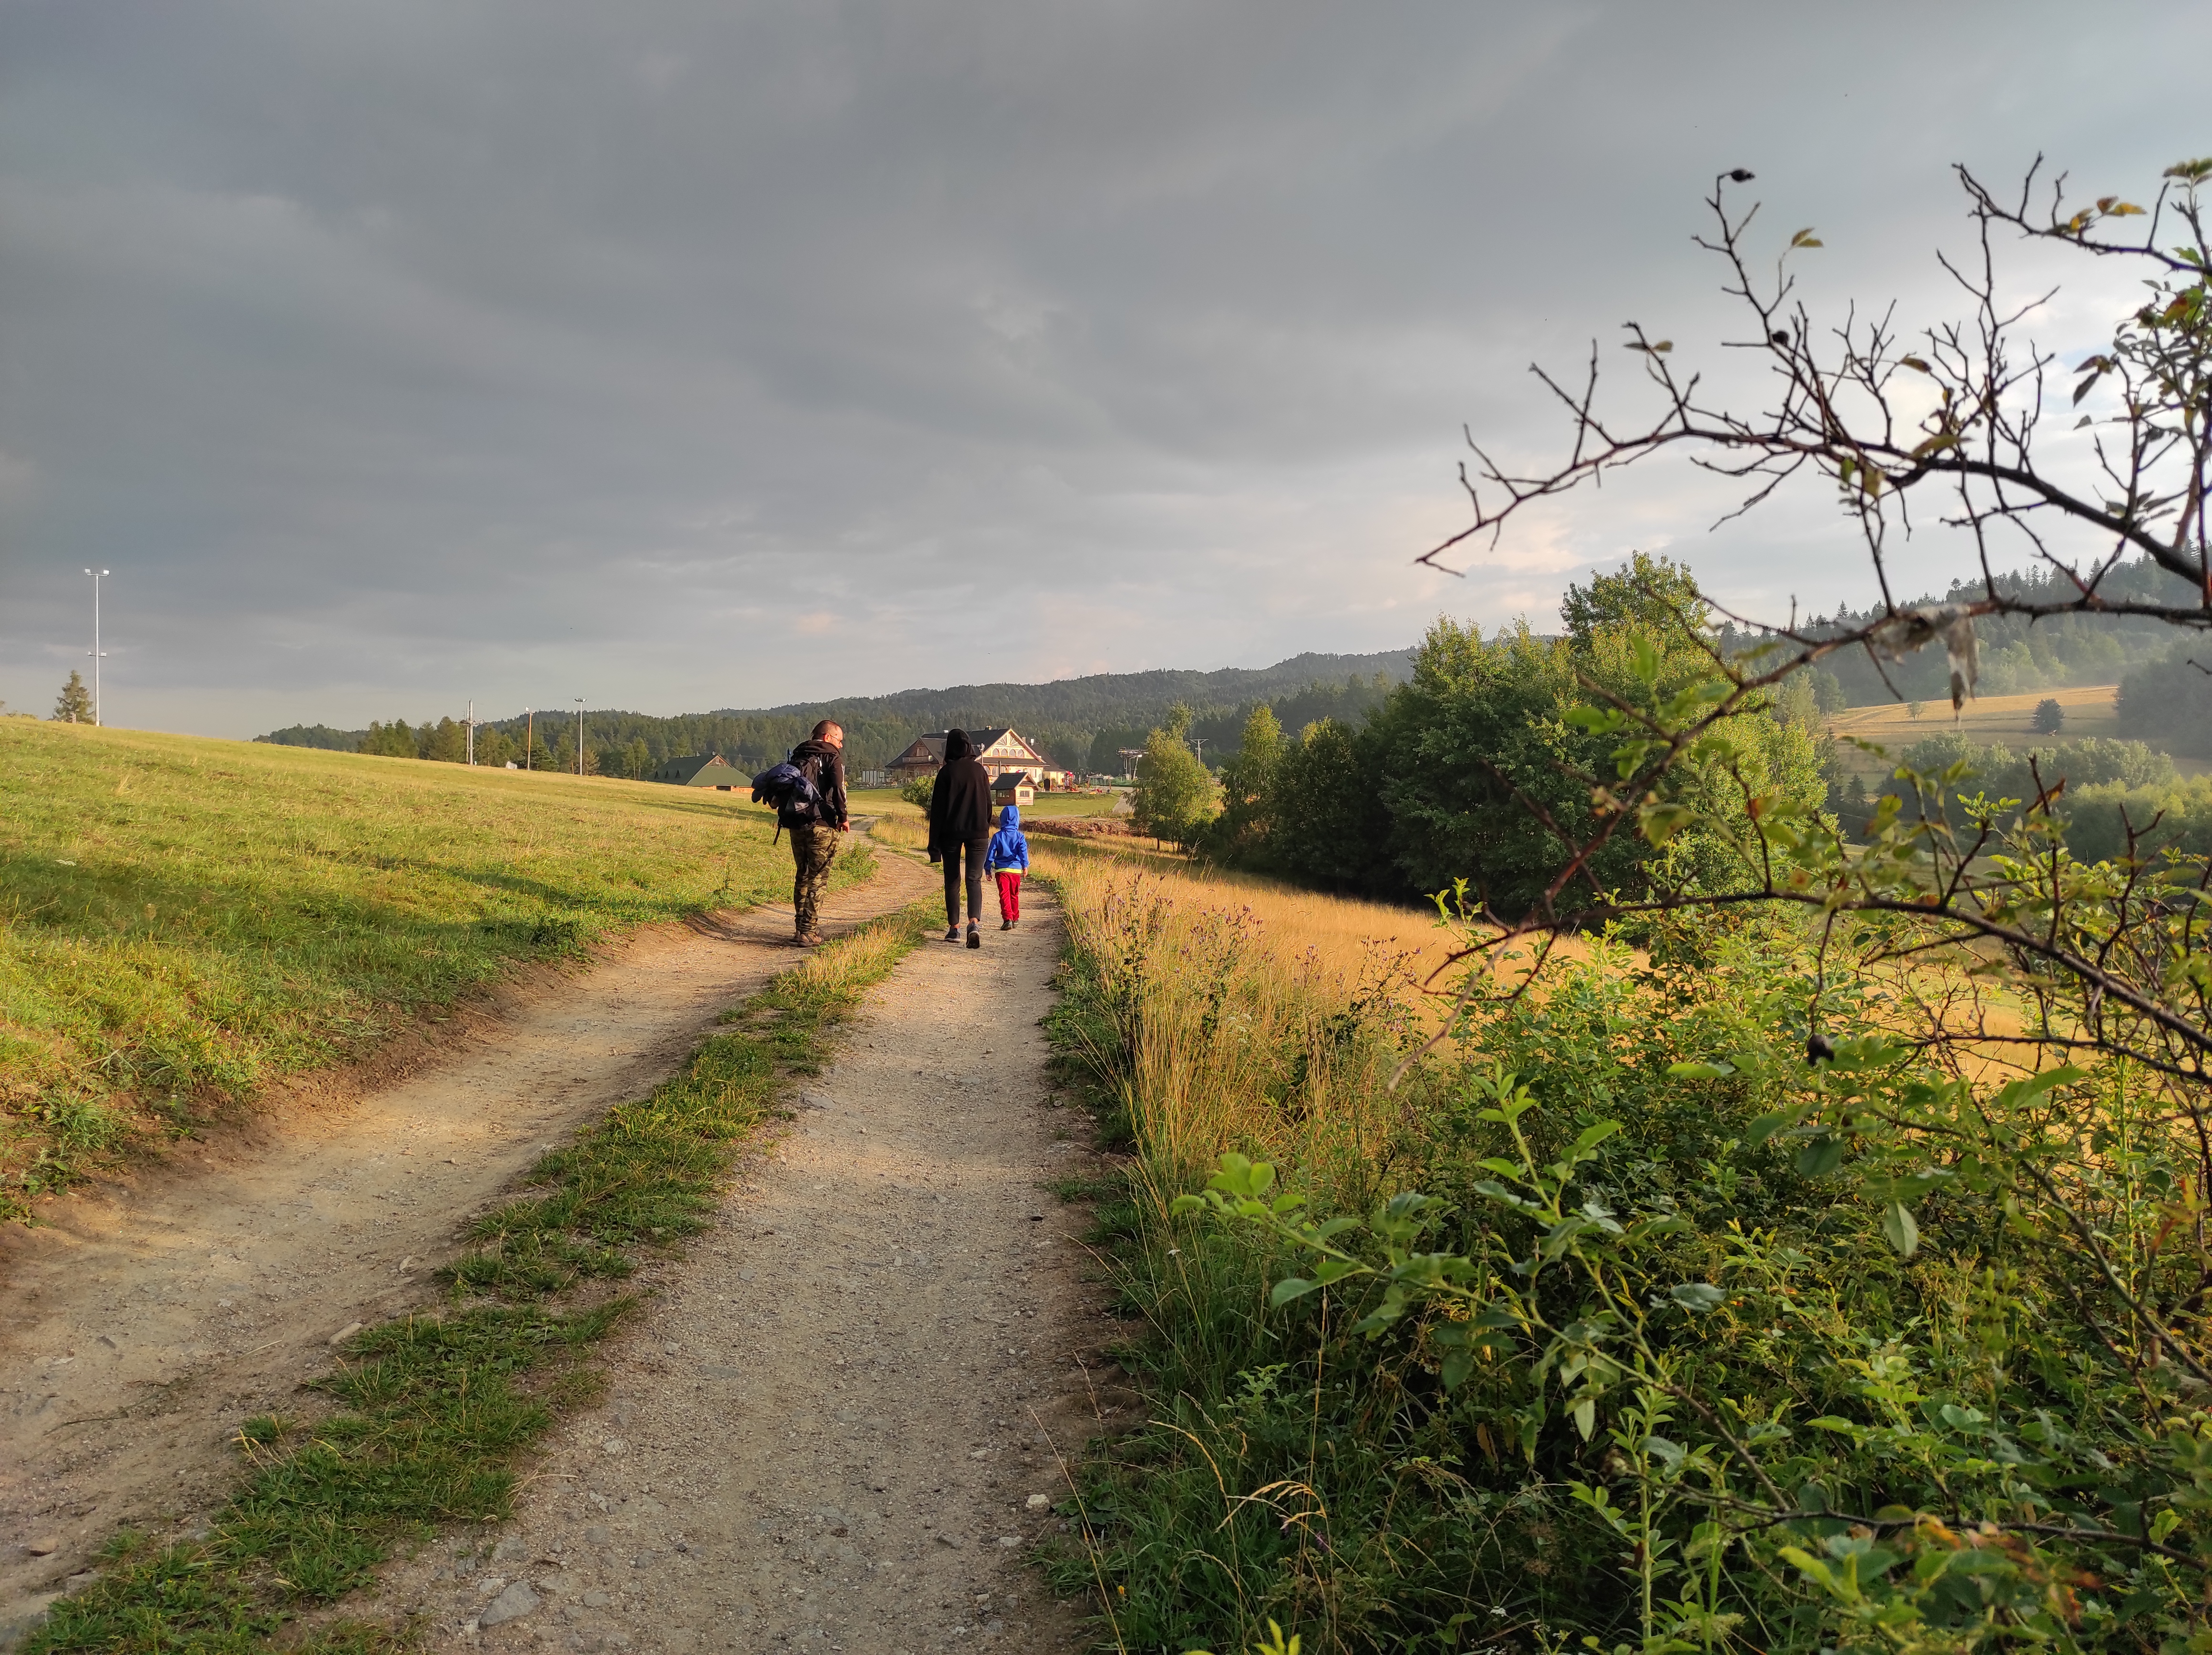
(579, 734)
(96, 650)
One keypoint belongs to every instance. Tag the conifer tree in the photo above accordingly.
(75, 706)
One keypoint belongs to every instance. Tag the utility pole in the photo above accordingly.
(579, 734)
(528, 736)
(469, 724)
(1198, 742)
(98, 654)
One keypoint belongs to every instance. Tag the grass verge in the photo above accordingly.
(429, 1415)
(182, 920)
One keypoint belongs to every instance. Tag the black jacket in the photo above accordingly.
(960, 803)
(829, 777)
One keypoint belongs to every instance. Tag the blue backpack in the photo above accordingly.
(786, 787)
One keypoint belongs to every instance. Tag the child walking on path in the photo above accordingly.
(1008, 857)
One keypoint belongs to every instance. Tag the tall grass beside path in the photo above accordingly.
(426, 1420)
(183, 919)
(1619, 1324)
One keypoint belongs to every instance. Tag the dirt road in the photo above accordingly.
(151, 1318)
(832, 1426)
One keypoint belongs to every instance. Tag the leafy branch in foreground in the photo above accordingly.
(2103, 962)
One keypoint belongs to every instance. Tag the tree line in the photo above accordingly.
(1474, 767)
(634, 744)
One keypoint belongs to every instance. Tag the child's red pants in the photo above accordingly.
(1009, 893)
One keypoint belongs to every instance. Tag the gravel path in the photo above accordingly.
(834, 1424)
(147, 1318)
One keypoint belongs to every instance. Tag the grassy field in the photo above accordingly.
(2091, 710)
(182, 919)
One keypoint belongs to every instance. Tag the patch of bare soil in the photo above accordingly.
(147, 1318)
(835, 1424)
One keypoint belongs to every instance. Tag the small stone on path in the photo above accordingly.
(517, 1601)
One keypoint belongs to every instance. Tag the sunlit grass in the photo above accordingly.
(182, 919)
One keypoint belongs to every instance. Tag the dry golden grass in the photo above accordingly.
(2091, 710)
(1247, 1016)
(1258, 1017)
(1331, 940)
(908, 830)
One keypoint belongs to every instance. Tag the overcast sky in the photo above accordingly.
(687, 355)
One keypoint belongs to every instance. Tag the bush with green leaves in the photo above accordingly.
(1645, 1329)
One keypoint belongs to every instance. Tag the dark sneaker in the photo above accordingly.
(975, 938)
(952, 933)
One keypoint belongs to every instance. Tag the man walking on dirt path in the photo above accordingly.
(814, 843)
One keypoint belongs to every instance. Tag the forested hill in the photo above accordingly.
(2018, 655)
(1079, 722)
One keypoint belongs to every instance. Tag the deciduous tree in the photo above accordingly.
(1175, 794)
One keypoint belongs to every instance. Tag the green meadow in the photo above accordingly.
(182, 919)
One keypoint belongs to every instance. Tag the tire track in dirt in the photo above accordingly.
(833, 1424)
(146, 1318)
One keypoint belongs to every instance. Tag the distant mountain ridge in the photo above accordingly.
(1082, 723)
(1101, 693)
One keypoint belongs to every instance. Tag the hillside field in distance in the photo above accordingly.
(2001, 721)
(182, 919)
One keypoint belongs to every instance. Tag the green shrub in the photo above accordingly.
(1683, 1344)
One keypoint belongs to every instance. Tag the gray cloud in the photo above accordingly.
(684, 354)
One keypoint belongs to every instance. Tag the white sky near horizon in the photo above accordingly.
(684, 356)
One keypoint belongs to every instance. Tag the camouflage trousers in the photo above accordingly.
(813, 848)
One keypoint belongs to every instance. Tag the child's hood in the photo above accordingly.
(1010, 818)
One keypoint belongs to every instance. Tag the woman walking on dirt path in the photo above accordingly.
(960, 827)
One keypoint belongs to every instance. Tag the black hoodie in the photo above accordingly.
(960, 803)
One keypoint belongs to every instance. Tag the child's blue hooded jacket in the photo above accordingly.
(1008, 848)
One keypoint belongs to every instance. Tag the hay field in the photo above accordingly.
(2091, 710)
